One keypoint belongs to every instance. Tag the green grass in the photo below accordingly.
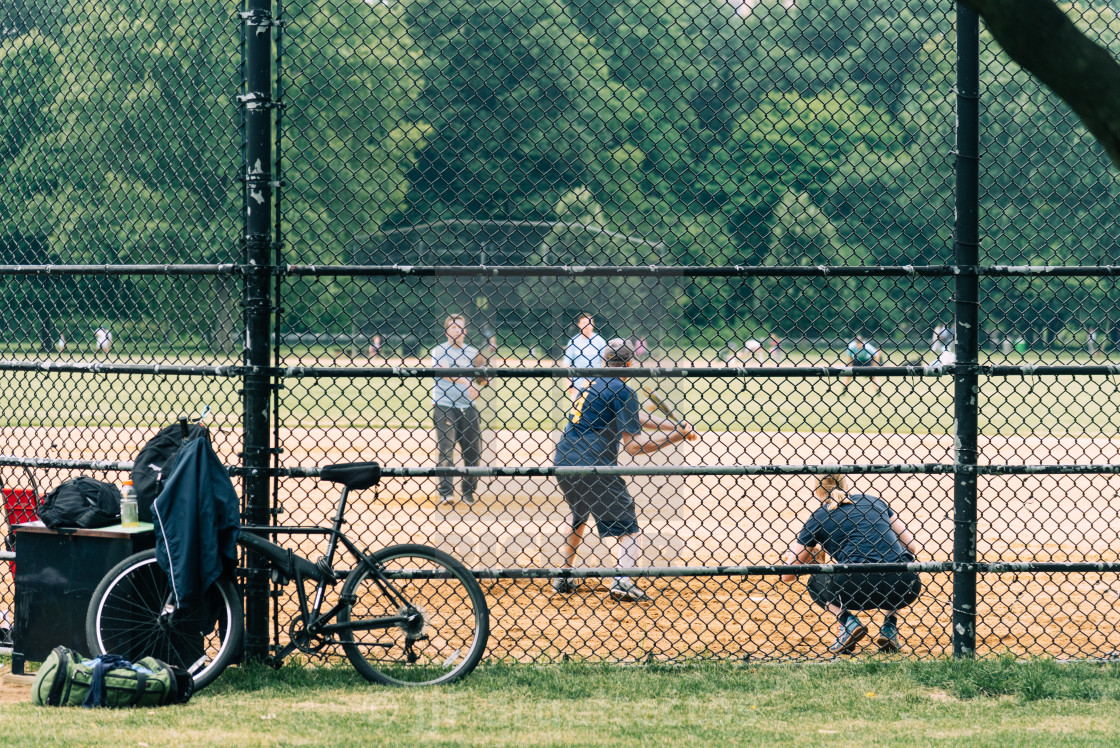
(1026, 406)
(864, 703)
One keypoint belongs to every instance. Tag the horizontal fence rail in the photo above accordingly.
(120, 269)
(552, 372)
(556, 271)
(729, 372)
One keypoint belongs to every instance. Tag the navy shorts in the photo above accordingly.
(890, 591)
(603, 497)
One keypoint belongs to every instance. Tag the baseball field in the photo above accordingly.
(688, 521)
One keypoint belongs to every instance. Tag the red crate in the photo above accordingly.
(20, 506)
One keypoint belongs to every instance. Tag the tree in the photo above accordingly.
(518, 104)
(133, 162)
(28, 83)
(351, 74)
(793, 144)
(17, 17)
(1044, 41)
(134, 167)
(33, 304)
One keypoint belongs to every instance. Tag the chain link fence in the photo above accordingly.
(405, 231)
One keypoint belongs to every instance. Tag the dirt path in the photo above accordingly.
(13, 689)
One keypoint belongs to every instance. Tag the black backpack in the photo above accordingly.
(155, 458)
(81, 502)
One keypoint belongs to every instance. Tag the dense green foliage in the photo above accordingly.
(773, 134)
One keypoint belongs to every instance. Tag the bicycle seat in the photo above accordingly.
(355, 475)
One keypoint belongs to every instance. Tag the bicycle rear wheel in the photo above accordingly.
(130, 615)
(448, 624)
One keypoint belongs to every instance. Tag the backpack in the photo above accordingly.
(66, 678)
(81, 502)
(154, 461)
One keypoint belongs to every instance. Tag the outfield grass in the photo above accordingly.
(867, 703)
(1025, 406)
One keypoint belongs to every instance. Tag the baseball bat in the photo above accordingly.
(667, 410)
(484, 445)
(481, 361)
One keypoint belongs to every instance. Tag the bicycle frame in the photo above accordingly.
(298, 569)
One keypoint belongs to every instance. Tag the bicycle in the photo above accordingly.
(407, 615)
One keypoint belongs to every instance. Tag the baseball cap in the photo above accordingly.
(617, 353)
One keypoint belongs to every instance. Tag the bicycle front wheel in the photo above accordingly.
(130, 614)
(440, 619)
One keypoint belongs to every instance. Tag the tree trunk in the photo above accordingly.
(1046, 43)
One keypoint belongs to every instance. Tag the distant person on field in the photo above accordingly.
(104, 338)
(584, 350)
(774, 348)
(944, 339)
(1091, 342)
(753, 349)
(375, 344)
(857, 528)
(949, 338)
(935, 343)
(750, 352)
(947, 345)
(862, 353)
(453, 408)
(605, 415)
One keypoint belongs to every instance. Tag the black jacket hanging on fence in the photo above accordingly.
(196, 518)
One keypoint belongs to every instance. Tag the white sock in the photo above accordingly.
(628, 550)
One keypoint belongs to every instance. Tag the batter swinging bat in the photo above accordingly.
(668, 411)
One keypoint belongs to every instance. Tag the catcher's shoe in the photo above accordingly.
(851, 634)
(887, 640)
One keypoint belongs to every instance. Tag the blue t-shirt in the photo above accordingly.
(601, 414)
(856, 533)
(863, 355)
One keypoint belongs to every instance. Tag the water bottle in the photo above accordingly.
(130, 511)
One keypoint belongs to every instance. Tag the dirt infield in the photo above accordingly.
(705, 521)
(13, 689)
(709, 521)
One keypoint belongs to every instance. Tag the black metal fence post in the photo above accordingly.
(966, 394)
(256, 395)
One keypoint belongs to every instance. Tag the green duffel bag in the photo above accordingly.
(66, 678)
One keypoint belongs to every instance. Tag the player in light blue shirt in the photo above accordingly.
(584, 350)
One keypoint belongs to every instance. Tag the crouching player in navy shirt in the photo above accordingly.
(606, 414)
(855, 528)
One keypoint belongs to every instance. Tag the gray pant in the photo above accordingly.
(460, 425)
